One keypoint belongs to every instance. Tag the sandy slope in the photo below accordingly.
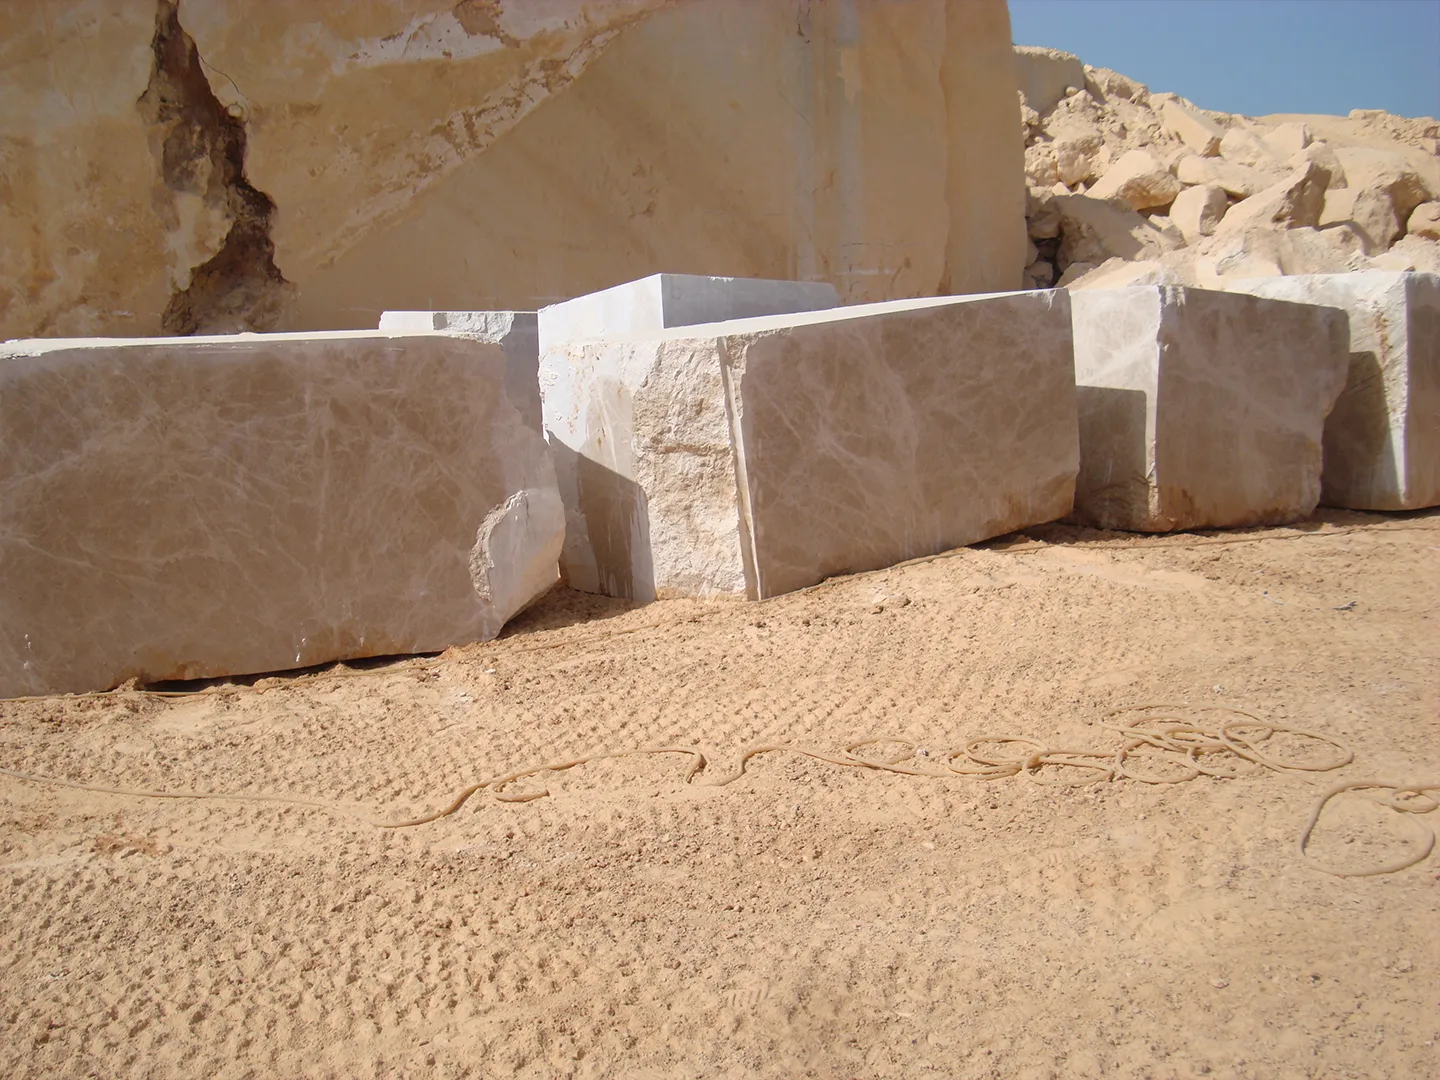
(806, 920)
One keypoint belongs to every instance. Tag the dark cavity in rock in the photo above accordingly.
(201, 151)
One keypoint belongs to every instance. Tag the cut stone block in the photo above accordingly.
(1201, 409)
(662, 301)
(517, 332)
(760, 456)
(1382, 441)
(186, 508)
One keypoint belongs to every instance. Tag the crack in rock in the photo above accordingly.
(200, 147)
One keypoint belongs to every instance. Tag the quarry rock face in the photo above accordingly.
(491, 154)
(180, 509)
(1201, 409)
(1382, 439)
(759, 456)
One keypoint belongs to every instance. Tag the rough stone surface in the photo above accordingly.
(1382, 440)
(1295, 202)
(1045, 74)
(1198, 132)
(492, 154)
(1198, 210)
(516, 332)
(1201, 409)
(1137, 179)
(189, 508)
(759, 456)
(1369, 210)
(1425, 221)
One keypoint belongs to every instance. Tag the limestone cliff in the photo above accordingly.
(204, 166)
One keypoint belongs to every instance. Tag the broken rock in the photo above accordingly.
(1425, 221)
(759, 456)
(1139, 180)
(197, 507)
(1382, 439)
(1198, 210)
(1295, 202)
(1201, 409)
(1199, 133)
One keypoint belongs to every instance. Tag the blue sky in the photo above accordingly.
(1255, 56)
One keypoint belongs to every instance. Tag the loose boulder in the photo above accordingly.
(1382, 439)
(197, 507)
(759, 456)
(1201, 409)
(1137, 179)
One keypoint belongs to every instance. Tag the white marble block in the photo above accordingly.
(759, 456)
(517, 332)
(1201, 409)
(663, 301)
(180, 508)
(1382, 440)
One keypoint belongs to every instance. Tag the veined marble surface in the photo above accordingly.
(1382, 440)
(517, 332)
(192, 507)
(757, 456)
(1201, 409)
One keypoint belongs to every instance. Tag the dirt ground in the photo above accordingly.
(806, 920)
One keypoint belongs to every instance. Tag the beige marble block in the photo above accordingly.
(759, 456)
(196, 507)
(1201, 409)
(1382, 440)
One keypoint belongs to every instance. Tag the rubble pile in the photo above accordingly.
(1128, 187)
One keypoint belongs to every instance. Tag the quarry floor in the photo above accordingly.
(805, 920)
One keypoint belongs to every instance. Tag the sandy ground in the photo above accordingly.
(806, 920)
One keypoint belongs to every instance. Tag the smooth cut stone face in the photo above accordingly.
(517, 332)
(664, 301)
(195, 507)
(1201, 409)
(759, 456)
(1382, 440)
(865, 442)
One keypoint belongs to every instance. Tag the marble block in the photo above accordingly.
(1382, 440)
(759, 456)
(662, 301)
(517, 332)
(1201, 409)
(183, 508)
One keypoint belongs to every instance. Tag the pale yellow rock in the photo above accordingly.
(503, 155)
(1137, 179)
(1321, 154)
(1104, 83)
(1041, 168)
(1295, 202)
(1240, 146)
(1410, 253)
(1242, 181)
(1387, 171)
(1424, 221)
(1287, 140)
(1198, 210)
(1094, 230)
(1199, 133)
(1045, 75)
(1370, 210)
(188, 508)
